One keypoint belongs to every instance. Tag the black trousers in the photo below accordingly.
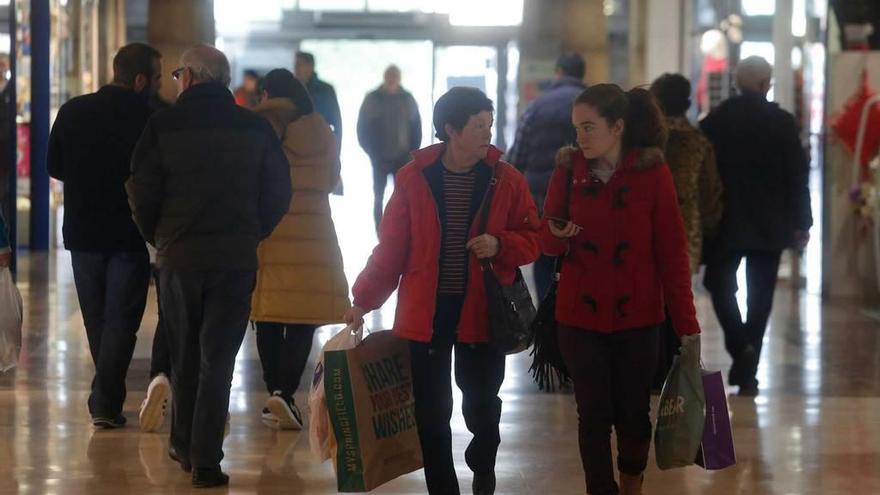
(284, 351)
(381, 170)
(112, 290)
(479, 373)
(762, 269)
(160, 359)
(612, 386)
(206, 315)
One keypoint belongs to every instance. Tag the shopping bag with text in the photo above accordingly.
(372, 410)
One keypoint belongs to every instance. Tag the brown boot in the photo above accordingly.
(631, 485)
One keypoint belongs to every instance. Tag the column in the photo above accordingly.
(783, 43)
(40, 101)
(664, 43)
(175, 26)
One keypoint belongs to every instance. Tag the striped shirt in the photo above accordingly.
(458, 191)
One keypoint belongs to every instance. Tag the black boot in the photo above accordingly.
(209, 478)
(484, 484)
(181, 459)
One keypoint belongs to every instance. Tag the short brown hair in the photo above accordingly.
(134, 59)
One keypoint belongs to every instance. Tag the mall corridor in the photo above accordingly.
(260, 140)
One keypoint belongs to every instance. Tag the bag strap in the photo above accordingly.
(487, 202)
(569, 177)
(485, 207)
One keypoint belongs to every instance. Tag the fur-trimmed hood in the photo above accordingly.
(637, 159)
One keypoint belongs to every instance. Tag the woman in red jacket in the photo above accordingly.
(430, 247)
(626, 254)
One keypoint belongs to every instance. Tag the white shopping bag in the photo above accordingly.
(10, 321)
(321, 438)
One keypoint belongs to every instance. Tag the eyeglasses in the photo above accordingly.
(176, 73)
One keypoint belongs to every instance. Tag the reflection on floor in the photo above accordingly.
(815, 429)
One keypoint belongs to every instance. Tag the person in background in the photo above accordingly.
(389, 127)
(301, 284)
(209, 181)
(544, 127)
(691, 159)
(154, 407)
(247, 95)
(626, 253)
(765, 173)
(90, 149)
(430, 247)
(323, 95)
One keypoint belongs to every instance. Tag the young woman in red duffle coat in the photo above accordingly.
(612, 212)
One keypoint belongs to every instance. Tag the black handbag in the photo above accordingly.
(511, 310)
(548, 368)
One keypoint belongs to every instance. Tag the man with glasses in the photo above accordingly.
(209, 180)
(90, 151)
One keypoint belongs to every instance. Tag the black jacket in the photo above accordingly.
(90, 150)
(209, 180)
(764, 171)
(324, 98)
(389, 127)
(544, 127)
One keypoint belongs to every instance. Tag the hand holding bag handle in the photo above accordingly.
(511, 310)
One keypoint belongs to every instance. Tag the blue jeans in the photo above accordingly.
(112, 291)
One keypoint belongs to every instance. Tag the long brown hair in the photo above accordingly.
(644, 125)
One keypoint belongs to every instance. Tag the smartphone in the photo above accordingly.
(560, 223)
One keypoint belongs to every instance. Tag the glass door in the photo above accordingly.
(473, 66)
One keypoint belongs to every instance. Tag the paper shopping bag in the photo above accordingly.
(681, 418)
(372, 410)
(321, 439)
(716, 449)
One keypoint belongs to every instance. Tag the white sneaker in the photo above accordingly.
(289, 416)
(155, 405)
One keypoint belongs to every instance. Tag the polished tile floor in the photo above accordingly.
(815, 428)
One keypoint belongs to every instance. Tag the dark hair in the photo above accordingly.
(252, 74)
(673, 93)
(280, 83)
(643, 122)
(572, 64)
(456, 107)
(134, 59)
(306, 57)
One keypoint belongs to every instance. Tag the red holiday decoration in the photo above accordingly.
(845, 125)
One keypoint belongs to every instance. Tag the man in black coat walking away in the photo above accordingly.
(90, 150)
(544, 127)
(389, 128)
(764, 171)
(209, 180)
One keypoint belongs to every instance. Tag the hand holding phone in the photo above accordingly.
(563, 228)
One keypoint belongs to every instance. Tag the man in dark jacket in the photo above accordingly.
(323, 96)
(764, 173)
(322, 93)
(90, 150)
(389, 128)
(544, 127)
(209, 180)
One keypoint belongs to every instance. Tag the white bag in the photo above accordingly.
(10, 321)
(321, 438)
